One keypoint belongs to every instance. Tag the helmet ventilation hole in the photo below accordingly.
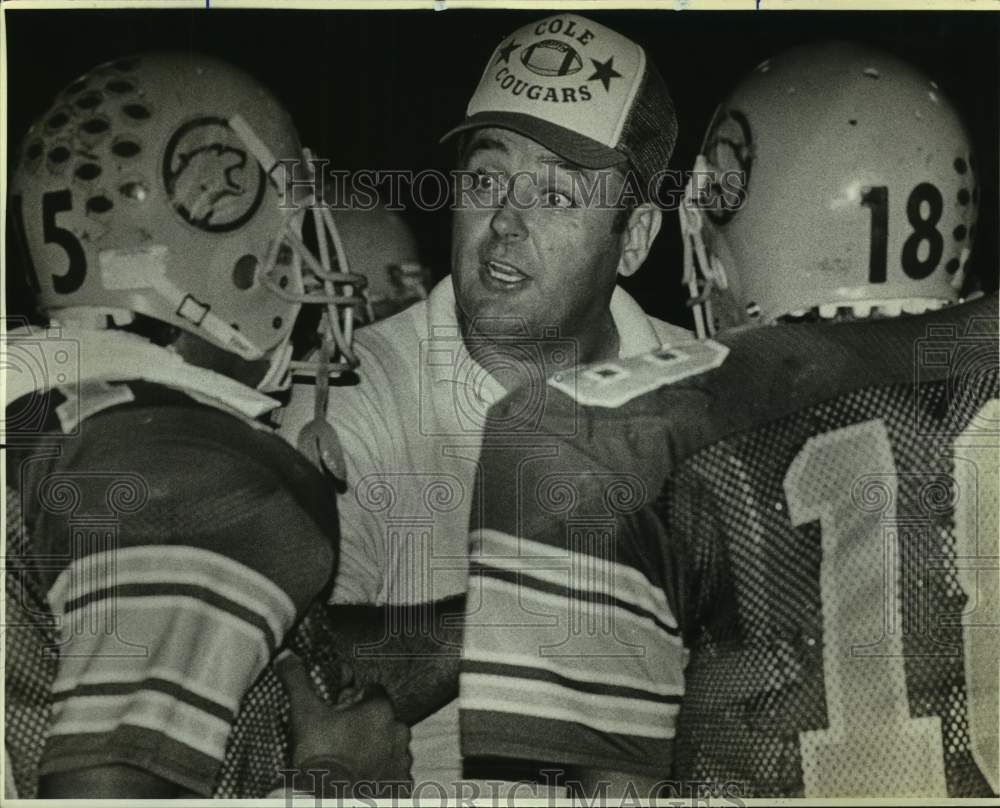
(245, 272)
(88, 171)
(137, 112)
(277, 322)
(57, 121)
(99, 204)
(126, 148)
(89, 101)
(753, 310)
(95, 126)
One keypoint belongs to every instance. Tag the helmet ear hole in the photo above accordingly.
(245, 272)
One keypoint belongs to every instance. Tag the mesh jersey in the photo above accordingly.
(158, 552)
(777, 578)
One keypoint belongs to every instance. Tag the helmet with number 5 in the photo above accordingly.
(840, 178)
(155, 185)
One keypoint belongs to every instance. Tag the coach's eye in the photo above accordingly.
(485, 180)
(556, 199)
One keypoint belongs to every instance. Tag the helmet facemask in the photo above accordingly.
(315, 277)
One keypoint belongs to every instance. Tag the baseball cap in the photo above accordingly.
(583, 91)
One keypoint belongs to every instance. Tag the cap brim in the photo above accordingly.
(566, 143)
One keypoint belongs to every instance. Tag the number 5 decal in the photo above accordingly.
(54, 203)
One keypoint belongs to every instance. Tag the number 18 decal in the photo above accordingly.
(924, 232)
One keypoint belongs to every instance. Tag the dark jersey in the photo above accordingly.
(787, 564)
(159, 551)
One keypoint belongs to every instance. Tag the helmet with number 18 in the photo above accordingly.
(847, 186)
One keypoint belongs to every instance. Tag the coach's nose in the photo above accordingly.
(508, 221)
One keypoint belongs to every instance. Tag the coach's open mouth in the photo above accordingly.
(504, 274)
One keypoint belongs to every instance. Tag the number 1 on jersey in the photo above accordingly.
(872, 746)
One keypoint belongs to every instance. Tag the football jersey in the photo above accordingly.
(776, 576)
(159, 551)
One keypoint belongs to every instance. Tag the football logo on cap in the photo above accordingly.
(550, 57)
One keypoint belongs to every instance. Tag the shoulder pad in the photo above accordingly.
(89, 398)
(612, 384)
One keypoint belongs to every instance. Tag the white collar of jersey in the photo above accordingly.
(39, 359)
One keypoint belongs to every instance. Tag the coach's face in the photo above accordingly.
(530, 250)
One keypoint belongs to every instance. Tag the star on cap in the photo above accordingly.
(605, 71)
(506, 51)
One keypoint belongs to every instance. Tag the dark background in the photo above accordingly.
(377, 89)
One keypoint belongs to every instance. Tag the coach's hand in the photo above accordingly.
(358, 740)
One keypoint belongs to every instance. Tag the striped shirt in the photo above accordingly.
(573, 654)
(175, 545)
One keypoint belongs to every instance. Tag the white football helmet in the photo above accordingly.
(834, 176)
(155, 185)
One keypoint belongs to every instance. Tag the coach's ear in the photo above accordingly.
(643, 226)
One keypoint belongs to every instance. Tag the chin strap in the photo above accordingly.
(318, 440)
